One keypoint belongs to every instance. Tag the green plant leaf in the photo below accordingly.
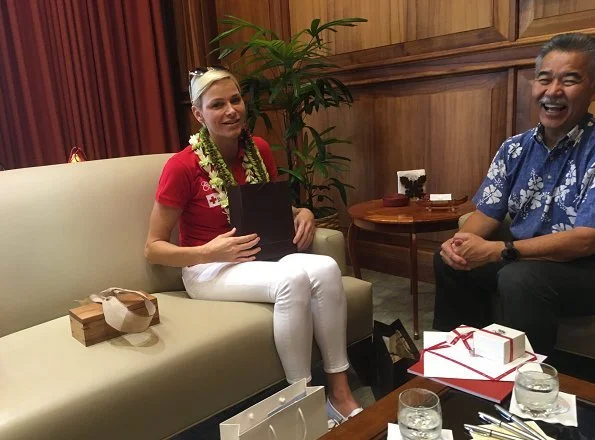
(301, 156)
(293, 173)
(292, 78)
(320, 168)
(347, 22)
(323, 197)
(341, 188)
(225, 34)
(335, 157)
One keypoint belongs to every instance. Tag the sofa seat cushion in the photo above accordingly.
(203, 357)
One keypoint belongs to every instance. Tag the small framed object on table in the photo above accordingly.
(441, 202)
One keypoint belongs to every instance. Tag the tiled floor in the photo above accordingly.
(392, 301)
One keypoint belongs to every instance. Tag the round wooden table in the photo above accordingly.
(411, 219)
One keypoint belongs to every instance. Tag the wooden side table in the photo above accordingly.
(411, 219)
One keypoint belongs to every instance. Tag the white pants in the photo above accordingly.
(308, 295)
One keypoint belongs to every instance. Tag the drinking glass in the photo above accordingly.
(420, 415)
(536, 388)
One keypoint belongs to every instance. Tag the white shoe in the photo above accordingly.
(335, 418)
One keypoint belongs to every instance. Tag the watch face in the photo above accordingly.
(510, 253)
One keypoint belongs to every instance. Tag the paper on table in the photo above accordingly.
(456, 362)
(395, 434)
(568, 418)
(440, 197)
(497, 428)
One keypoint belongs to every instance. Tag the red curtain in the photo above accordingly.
(89, 73)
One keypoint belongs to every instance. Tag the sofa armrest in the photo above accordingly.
(332, 243)
(502, 233)
(464, 218)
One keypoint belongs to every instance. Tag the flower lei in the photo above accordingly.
(220, 177)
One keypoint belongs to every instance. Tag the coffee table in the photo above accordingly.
(459, 408)
(411, 219)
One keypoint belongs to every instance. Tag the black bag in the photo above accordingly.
(395, 352)
(264, 209)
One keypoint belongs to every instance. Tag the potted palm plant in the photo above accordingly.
(294, 78)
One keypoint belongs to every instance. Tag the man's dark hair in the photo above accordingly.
(573, 42)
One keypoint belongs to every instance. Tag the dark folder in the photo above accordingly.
(264, 209)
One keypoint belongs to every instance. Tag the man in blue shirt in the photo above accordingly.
(545, 180)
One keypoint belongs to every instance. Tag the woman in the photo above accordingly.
(306, 289)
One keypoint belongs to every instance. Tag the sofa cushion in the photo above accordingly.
(72, 230)
(203, 357)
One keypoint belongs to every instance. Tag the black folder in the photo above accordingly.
(264, 209)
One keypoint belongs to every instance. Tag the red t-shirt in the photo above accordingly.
(185, 185)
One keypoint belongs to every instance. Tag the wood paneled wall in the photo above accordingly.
(438, 84)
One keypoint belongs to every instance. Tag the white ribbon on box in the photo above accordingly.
(117, 314)
(297, 412)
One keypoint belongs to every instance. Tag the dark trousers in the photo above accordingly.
(527, 295)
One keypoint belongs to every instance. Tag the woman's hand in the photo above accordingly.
(227, 248)
(303, 222)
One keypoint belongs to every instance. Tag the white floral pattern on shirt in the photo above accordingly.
(544, 190)
(561, 227)
(571, 174)
(535, 182)
(497, 169)
(491, 194)
(560, 193)
(514, 150)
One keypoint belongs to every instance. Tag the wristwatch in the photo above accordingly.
(510, 253)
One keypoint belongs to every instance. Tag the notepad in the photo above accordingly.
(264, 209)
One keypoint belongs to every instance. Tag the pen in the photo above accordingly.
(518, 422)
(518, 432)
(490, 433)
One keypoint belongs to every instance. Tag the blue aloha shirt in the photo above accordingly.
(544, 191)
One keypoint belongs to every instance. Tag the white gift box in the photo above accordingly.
(499, 343)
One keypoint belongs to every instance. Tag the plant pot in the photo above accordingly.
(330, 221)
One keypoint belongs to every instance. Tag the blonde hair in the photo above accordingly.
(201, 82)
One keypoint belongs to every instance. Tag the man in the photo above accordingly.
(545, 180)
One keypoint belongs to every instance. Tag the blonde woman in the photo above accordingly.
(217, 264)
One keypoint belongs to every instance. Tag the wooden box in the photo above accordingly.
(88, 325)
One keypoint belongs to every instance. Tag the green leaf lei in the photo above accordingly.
(220, 177)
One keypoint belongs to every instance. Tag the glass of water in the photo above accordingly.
(420, 415)
(536, 388)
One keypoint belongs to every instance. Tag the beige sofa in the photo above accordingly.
(70, 230)
(575, 335)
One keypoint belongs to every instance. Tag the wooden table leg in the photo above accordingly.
(413, 282)
(351, 242)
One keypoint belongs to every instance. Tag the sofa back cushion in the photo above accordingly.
(70, 230)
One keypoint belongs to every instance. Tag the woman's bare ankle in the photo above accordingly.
(344, 404)
(340, 394)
